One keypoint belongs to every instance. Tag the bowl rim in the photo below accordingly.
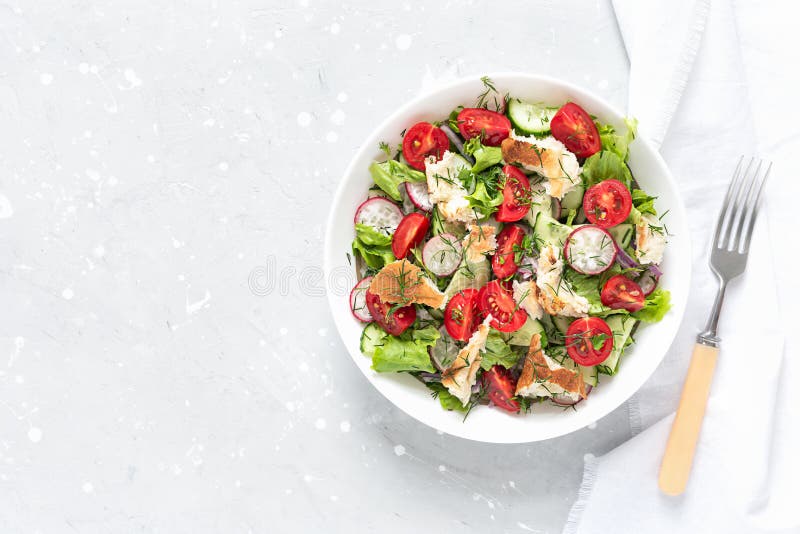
(678, 306)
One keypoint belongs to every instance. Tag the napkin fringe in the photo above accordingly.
(590, 467)
(680, 77)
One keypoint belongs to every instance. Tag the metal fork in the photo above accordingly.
(729, 250)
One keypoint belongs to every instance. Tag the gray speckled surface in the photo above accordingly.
(153, 156)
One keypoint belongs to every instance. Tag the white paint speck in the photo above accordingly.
(283, 331)
(399, 450)
(442, 469)
(19, 379)
(337, 117)
(6, 209)
(344, 426)
(332, 137)
(335, 28)
(320, 424)
(67, 294)
(322, 332)
(342, 97)
(87, 487)
(304, 118)
(303, 367)
(46, 78)
(289, 406)
(269, 45)
(35, 434)
(403, 41)
(334, 498)
(308, 478)
(132, 78)
(99, 251)
(223, 166)
(83, 68)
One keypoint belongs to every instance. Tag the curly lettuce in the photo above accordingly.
(390, 174)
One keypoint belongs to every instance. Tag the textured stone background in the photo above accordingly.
(155, 155)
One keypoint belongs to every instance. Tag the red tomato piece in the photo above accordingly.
(423, 140)
(607, 204)
(494, 299)
(516, 195)
(394, 322)
(500, 386)
(410, 233)
(461, 316)
(575, 128)
(508, 242)
(493, 127)
(622, 293)
(589, 341)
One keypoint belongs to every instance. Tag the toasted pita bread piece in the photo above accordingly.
(462, 373)
(402, 282)
(525, 294)
(479, 240)
(547, 157)
(555, 296)
(544, 377)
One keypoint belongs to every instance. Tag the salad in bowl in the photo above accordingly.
(507, 255)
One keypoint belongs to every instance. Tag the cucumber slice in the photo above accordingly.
(562, 323)
(529, 118)
(622, 234)
(469, 274)
(573, 199)
(621, 326)
(372, 336)
(550, 231)
(590, 374)
(522, 337)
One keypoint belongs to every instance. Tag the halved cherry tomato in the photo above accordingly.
(575, 128)
(410, 233)
(490, 125)
(516, 195)
(500, 386)
(423, 140)
(589, 341)
(607, 204)
(622, 293)
(461, 316)
(495, 300)
(508, 242)
(394, 322)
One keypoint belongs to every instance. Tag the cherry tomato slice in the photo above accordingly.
(490, 125)
(508, 242)
(423, 140)
(461, 316)
(500, 386)
(410, 233)
(607, 204)
(589, 341)
(494, 299)
(394, 322)
(575, 128)
(622, 293)
(516, 195)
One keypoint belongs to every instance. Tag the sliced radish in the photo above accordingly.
(563, 399)
(380, 213)
(418, 193)
(555, 208)
(442, 254)
(358, 301)
(648, 280)
(590, 250)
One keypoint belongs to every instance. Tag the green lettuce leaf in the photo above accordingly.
(485, 156)
(589, 286)
(618, 143)
(408, 352)
(390, 174)
(483, 201)
(446, 399)
(656, 305)
(606, 165)
(374, 246)
(497, 352)
(643, 202)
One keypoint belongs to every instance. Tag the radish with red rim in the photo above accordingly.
(590, 250)
(380, 213)
(442, 254)
(418, 193)
(565, 399)
(358, 301)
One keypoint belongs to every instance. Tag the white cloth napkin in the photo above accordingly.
(699, 107)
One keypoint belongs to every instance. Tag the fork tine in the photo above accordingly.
(744, 207)
(726, 203)
(754, 211)
(733, 206)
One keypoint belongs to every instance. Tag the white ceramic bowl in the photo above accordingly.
(484, 423)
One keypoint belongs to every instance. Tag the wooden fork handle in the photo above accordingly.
(677, 462)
